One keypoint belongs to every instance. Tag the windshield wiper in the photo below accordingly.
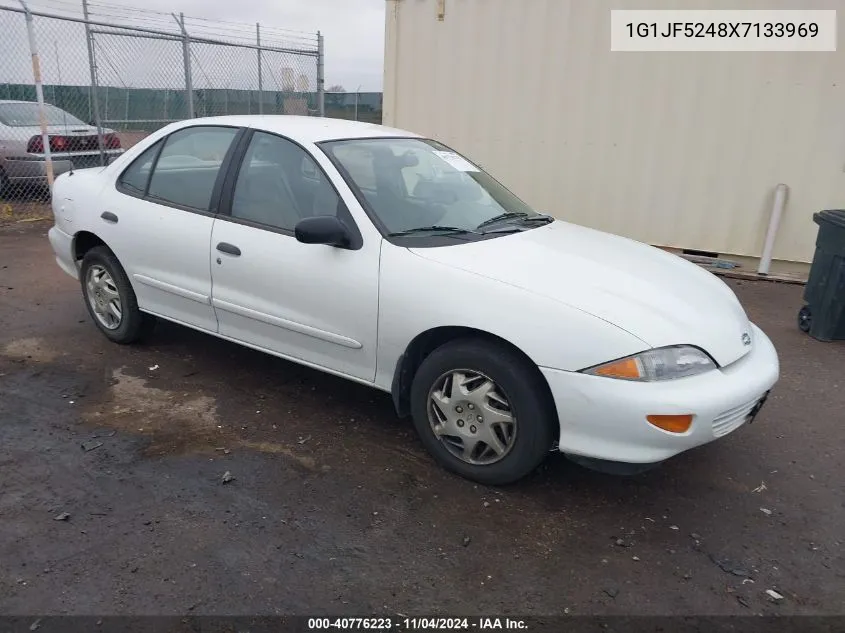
(429, 229)
(516, 215)
(508, 215)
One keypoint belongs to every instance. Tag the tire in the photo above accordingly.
(435, 403)
(111, 289)
(805, 319)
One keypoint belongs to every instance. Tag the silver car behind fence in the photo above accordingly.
(74, 144)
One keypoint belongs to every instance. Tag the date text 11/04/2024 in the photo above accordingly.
(417, 624)
(723, 29)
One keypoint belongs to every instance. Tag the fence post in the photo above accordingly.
(95, 97)
(321, 78)
(357, 96)
(260, 76)
(186, 55)
(39, 92)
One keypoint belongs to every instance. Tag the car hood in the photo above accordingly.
(656, 296)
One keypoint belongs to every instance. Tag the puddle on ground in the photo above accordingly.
(173, 421)
(35, 349)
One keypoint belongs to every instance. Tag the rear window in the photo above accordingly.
(26, 115)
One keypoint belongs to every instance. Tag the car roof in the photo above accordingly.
(305, 129)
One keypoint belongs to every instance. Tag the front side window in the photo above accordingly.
(279, 184)
(188, 166)
(418, 186)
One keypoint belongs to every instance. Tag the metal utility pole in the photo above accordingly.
(260, 76)
(321, 76)
(95, 96)
(357, 94)
(186, 56)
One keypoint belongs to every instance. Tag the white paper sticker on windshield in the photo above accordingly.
(458, 162)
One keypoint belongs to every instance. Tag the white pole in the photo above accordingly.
(39, 92)
(771, 234)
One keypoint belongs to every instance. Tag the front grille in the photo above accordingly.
(732, 419)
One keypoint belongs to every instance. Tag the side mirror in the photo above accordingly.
(322, 229)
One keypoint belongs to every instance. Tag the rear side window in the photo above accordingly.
(134, 179)
(187, 169)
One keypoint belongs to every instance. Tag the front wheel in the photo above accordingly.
(110, 299)
(482, 412)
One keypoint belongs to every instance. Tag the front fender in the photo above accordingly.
(418, 294)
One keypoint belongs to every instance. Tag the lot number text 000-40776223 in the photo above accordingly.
(408, 624)
(705, 30)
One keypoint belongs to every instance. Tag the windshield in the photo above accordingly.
(417, 185)
(26, 115)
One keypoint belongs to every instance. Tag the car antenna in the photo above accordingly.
(64, 113)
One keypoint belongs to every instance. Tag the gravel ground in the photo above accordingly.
(113, 501)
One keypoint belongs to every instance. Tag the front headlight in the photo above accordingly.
(664, 363)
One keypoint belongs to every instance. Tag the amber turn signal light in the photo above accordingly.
(671, 423)
(628, 369)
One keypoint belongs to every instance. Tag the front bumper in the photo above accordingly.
(603, 418)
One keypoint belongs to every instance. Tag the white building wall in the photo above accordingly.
(676, 149)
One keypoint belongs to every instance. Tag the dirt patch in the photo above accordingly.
(32, 348)
(175, 422)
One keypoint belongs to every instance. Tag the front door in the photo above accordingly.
(314, 303)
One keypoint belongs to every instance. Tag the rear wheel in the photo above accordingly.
(481, 411)
(110, 300)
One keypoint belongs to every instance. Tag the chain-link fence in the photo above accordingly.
(355, 106)
(106, 84)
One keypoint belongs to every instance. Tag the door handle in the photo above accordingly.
(229, 249)
(108, 216)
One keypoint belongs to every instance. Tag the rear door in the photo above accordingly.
(158, 221)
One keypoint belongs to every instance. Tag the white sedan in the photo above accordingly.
(389, 259)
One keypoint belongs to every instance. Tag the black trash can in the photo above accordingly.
(824, 315)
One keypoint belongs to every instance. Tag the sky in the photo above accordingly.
(353, 29)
